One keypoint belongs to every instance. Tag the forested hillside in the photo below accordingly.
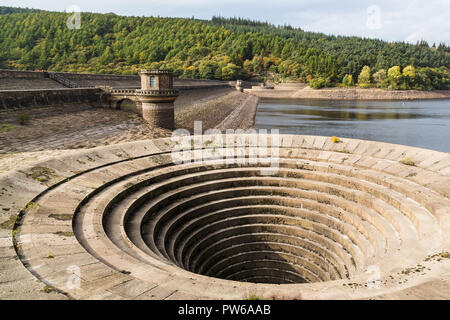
(225, 49)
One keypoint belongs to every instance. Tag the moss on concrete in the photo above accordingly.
(9, 224)
(408, 162)
(41, 174)
(49, 289)
(64, 233)
(61, 217)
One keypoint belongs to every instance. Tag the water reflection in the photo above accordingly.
(424, 124)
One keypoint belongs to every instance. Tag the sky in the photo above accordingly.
(399, 20)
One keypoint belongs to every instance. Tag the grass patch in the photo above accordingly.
(439, 256)
(23, 119)
(49, 289)
(5, 127)
(254, 296)
(335, 139)
(49, 256)
(30, 206)
(408, 162)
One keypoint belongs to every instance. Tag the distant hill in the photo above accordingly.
(220, 48)
(6, 10)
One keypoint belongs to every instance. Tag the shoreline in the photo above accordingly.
(348, 94)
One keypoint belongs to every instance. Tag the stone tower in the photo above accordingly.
(157, 97)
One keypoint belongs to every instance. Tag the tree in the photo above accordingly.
(231, 72)
(319, 82)
(379, 78)
(2, 61)
(347, 81)
(394, 77)
(206, 70)
(364, 77)
(409, 73)
(190, 73)
(107, 56)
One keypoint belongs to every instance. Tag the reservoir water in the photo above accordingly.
(419, 123)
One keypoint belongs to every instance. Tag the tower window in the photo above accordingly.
(152, 81)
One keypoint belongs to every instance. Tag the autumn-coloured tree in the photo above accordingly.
(364, 77)
(394, 77)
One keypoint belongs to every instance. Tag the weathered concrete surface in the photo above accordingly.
(222, 108)
(83, 125)
(366, 224)
(72, 126)
(347, 94)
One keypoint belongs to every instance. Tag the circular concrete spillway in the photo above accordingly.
(352, 219)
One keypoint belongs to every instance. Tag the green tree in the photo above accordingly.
(206, 70)
(190, 72)
(107, 56)
(231, 72)
(347, 81)
(2, 61)
(379, 78)
(319, 82)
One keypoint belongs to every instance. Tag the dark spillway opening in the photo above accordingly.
(238, 225)
(253, 260)
(249, 244)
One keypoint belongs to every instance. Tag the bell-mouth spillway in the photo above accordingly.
(334, 220)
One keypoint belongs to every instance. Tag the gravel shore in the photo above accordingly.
(349, 94)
